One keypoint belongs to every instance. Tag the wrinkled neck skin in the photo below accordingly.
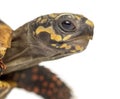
(26, 51)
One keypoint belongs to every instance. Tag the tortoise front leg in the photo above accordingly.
(2, 66)
(42, 81)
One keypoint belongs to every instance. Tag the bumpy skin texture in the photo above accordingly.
(45, 38)
(41, 81)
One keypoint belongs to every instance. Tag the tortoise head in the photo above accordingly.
(62, 34)
(48, 37)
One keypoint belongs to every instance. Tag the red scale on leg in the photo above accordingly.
(42, 82)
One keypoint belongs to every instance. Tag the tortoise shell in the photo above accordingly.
(5, 38)
(5, 41)
(45, 38)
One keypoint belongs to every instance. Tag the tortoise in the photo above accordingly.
(45, 38)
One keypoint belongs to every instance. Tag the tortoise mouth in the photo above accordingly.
(80, 37)
(72, 45)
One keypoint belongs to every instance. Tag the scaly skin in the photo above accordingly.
(41, 81)
(45, 38)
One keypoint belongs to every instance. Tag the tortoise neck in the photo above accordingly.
(19, 45)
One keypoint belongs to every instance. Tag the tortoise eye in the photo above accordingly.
(67, 26)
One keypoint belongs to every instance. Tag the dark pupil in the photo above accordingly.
(67, 25)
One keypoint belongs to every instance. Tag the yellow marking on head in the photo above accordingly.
(39, 19)
(73, 51)
(51, 31)
(66, 37)
(56, 37)
(44, 20)
(78, 48)
(53, 15)
(53, 45)
(63, 14)
(78, 17)
(90, 23)
(65, 46)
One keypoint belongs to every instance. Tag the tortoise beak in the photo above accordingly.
(90, 23)
(90, 37)
(90, 27)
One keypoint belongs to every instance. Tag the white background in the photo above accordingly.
(92, 74)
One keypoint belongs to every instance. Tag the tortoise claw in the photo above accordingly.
(2, 66)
